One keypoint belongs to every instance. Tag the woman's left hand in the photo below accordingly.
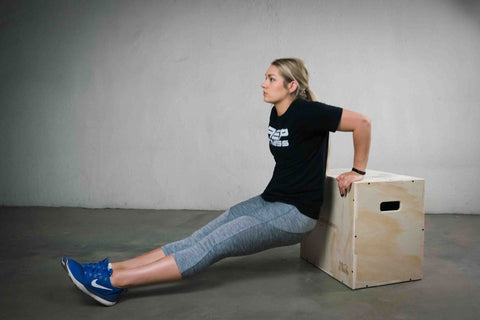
(345, 180)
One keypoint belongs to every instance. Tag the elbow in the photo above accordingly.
(366, 122)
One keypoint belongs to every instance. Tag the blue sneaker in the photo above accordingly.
(101, 264)
(93, 281)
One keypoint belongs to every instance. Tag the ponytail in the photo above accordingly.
(310, 95)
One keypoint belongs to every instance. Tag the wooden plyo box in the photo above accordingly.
(374, 235)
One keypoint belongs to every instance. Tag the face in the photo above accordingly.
(274, 90)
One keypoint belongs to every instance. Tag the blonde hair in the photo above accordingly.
(294, 69)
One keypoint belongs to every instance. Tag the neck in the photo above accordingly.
(283, 105)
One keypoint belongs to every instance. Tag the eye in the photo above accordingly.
(272, 79)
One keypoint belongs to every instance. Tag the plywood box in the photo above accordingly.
(374, 235)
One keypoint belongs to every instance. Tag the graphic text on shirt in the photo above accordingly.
(275, 137)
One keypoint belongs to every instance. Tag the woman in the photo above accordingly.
(282, 215)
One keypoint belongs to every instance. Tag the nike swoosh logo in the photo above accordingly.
(96, 285)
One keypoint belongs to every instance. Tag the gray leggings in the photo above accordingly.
(248, 227)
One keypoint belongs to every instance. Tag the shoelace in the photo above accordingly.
(98, 272)
(97, 265)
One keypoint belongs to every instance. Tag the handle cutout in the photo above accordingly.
(390, 206)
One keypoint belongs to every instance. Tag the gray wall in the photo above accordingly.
(157, 104)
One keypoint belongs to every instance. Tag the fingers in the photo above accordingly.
(343, 184)
(345, 181)
(343, 191)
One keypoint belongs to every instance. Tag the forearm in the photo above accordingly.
(360, 126)
(361, 144)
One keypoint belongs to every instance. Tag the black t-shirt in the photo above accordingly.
(299, 144)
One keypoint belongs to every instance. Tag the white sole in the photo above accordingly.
(80, 286)
(64, 265)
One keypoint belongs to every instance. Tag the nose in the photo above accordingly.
(263, 84)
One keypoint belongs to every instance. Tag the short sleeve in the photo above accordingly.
(323, 117)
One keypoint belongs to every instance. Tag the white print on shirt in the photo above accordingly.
(275, 136)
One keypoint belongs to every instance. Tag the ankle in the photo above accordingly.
(117, 266)
(115, 280)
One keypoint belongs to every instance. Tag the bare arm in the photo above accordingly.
(360, 126)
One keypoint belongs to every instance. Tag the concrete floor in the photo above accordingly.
(274, 284)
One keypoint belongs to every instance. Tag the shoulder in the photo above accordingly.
(320, 116)
(313, 106)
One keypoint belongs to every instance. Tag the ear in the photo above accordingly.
(292, 86)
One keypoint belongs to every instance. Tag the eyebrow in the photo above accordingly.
(270, 74)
